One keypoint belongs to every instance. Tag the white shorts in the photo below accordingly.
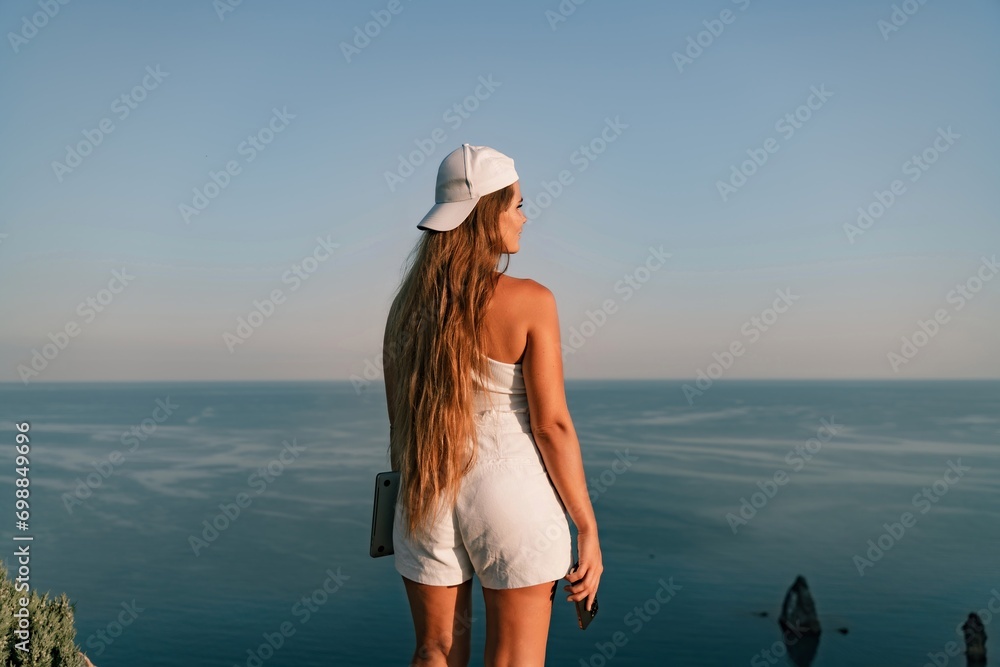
(509, 525)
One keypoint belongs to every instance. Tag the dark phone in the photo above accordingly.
(584, 617)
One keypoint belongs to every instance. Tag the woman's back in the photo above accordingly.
(503, 389)
(506, 320)
(506, 331)
(521, 325)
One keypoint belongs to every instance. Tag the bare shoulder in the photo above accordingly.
(534, 287)
(533, 302)
(543, 371)
(530, 292)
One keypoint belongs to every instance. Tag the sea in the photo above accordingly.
(228, 524)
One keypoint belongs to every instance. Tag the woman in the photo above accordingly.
(480, 431)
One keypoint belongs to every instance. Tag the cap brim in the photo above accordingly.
(447, 215)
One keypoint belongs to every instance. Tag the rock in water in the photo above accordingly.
(975, 640)
(798, 611)
(802, 649)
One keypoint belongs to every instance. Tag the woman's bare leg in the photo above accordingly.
(442, 620)
(517, 625)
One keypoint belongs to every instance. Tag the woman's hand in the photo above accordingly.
(586, 578)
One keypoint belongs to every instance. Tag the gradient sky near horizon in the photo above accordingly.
(554, 87)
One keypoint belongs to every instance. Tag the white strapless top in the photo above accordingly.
(505, 386)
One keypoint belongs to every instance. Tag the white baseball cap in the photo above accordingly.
(465, 175)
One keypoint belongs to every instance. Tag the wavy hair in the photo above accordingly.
(437, 344)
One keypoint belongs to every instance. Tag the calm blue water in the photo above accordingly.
(661, 518)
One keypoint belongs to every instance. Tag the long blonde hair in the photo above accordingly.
(436, 341)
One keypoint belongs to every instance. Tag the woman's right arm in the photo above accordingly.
(552, 428)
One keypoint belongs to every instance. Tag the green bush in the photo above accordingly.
(52, 642)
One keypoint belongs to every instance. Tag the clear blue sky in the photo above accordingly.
(553, 86)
